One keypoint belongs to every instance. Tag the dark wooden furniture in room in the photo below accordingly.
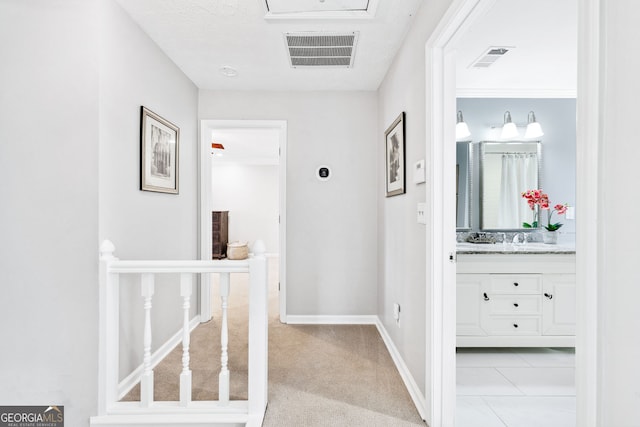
(220, 234)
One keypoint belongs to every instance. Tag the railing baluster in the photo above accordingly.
(146, 383)
(185, 377)
(223, 379)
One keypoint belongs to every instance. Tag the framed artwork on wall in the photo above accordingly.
(395, 159)
(159, 148)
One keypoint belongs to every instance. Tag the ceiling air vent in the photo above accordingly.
(490, 56)
(321, 49)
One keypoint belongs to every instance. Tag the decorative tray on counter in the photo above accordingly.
(480, 238)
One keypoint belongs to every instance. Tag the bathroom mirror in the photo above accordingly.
(464, 172)
(506, 170)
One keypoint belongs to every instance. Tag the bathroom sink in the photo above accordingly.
(529, 248)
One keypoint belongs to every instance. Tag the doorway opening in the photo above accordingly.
(244, 174)
(441, 99)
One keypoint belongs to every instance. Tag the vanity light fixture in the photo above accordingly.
(509, 129)
(462, 130)
(533, 127)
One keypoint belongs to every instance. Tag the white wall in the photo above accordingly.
(141, 224)
(404, 245)
(69, 113)
(49, 208)
(619, 211)
(331, 226)
(251, 195)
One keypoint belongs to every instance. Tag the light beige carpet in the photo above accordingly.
(319, 376)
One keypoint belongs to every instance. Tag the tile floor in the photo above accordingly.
(515, 387)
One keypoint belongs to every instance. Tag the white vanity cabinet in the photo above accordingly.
(515, 300)
(559, 310)
(469, 310)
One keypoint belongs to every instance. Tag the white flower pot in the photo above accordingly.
(550, 237)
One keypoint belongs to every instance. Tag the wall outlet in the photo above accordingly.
(396, 312)
(422, 213)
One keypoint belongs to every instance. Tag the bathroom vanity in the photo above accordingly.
(512, 290)
(515, 296)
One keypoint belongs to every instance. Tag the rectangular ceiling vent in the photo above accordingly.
(490, 56)
(321, 49)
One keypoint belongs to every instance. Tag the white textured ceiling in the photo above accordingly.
(542, 60)
(202, 36)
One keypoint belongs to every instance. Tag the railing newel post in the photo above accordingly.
(258, 330)
(108, 334)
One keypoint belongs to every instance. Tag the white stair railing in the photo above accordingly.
(185, 411)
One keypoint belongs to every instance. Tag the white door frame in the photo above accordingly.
(441, 95)
(206, 126)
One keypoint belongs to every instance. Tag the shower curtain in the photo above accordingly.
(519, 173)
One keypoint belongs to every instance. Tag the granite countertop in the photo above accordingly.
(527, 248)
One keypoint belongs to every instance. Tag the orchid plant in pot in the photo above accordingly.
(538, 200)
(535, 200)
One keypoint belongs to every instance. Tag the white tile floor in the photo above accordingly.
(516, 387)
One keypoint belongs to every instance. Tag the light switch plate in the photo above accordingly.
(422, 214)
(571, 212)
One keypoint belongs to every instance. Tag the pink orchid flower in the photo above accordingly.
(539, 198)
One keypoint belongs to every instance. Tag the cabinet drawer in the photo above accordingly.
(516, 284)
(515, 304)
(514, 325)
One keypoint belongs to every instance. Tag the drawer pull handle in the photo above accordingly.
(515, 325)
(515, 283)
(548, 295)
(486, 298)
(515, 304)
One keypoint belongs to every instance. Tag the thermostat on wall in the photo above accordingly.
(323, 173)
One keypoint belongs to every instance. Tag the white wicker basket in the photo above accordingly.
(237, 250)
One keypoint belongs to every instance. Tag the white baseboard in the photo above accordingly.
(414, 391)
(133, 378)
(332, 320)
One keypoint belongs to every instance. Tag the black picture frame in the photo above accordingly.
(159, 153)
(395, 157)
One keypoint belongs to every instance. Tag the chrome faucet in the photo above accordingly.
(519, 239)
